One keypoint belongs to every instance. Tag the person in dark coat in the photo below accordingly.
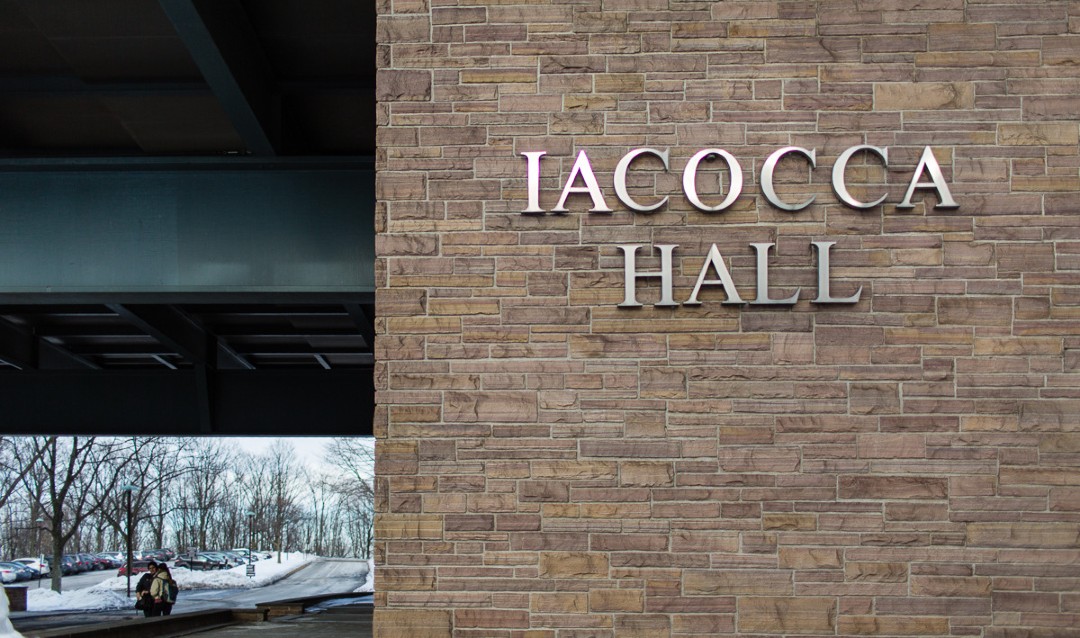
(142, 590)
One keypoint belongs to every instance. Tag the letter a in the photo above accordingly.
(583, 168)
(929, 163)
(716, 260)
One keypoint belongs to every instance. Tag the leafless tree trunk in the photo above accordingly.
(72, 480)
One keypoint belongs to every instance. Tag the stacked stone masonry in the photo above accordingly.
(551, 465)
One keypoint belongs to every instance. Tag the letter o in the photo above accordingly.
(689, 179)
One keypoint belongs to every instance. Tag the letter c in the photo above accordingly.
(767, 177)
(840, 186)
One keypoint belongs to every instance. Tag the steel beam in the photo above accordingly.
(172, 328)
(364, 318)
(18, 347)
(224, 46)
(246, 403)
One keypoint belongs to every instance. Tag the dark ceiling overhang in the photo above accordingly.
(187, 364)
(248, 126)
(187, 77)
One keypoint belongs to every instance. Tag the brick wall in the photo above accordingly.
(553, 466)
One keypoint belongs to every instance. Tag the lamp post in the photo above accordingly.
(251, 543)
(39, 524)
(127, 490)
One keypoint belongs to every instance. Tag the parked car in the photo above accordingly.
(161, 554)
(8, 575)
(247, 553)
(151, 554)
(137, 567)
(229, 560)
(199, 562)
(42, 569)
(79, 564)
(111, 559)
(22, 572)
(100, 562)
(68, 566)
(90, 561)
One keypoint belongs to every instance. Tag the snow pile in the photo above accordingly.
(369, 585)
(267, 572)
(95, 597)
(109, 594)
(6, 630)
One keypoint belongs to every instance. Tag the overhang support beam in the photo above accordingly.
(246, 403)
(223, 45)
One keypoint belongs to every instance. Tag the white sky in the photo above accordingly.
(309, 449)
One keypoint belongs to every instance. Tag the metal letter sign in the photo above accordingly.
(714, 262)
(583, 171)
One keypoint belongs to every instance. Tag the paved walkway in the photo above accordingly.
(309, 626)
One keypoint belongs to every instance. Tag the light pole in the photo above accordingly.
(251, 542)
(39, 523)
(127, 490)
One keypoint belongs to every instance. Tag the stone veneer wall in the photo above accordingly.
(552, 466)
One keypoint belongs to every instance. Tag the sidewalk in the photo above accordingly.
(310, 626)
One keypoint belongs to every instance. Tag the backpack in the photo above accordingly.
(174, 591)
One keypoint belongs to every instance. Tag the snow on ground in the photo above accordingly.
(89, 598)
(108, 594)
(6, 630)
(369, 584)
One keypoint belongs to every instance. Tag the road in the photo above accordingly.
(323, 576)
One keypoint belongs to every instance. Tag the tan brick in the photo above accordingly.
(616, 600)
(503, 407)
(975, 311)
(491, 618)
(412, 623)
(789, 522)
(574, 469)
(646, 474)
(736, 583)
(893, 487)
(573, 565)
(953, 586)
(409, 526)
(1039, 134)
(893, 626)
(559, 603)
(807, 615)
(704, 541)
(810, 558)
(399, 85)
(876, 572)
(405, 578)
(1031, 535)
(903, 96)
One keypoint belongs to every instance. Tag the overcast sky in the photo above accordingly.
(310, 449)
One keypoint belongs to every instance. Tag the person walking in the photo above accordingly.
(162, 590)
(144, 600)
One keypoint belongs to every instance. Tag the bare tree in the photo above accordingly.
(354, 458)
(207, 467)
(284, 488)
(13, 467)
(153, 473)
(72, 480)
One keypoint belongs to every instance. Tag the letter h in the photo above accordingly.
(632, 275)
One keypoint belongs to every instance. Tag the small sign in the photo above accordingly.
(251, 570)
